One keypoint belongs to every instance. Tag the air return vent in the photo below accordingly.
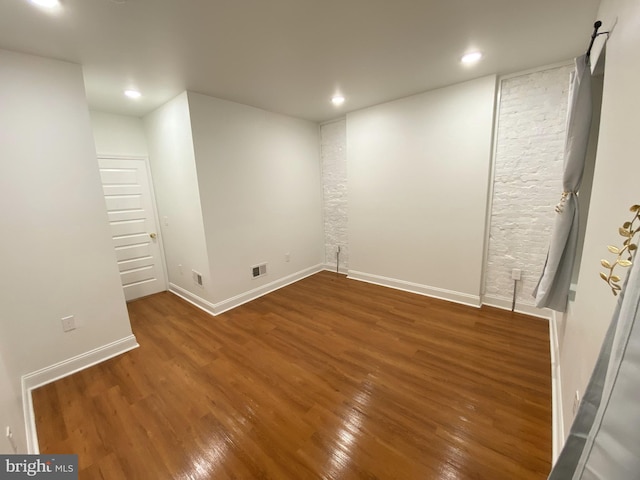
(197, 277)
(259, 270)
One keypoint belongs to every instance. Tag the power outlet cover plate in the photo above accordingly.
(68, 323)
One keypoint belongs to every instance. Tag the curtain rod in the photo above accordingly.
(595, 34)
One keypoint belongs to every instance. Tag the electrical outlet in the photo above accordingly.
(576, 402)
(197, 277)
(516, 274)
(287, 257)
(180, 269)
(68, 323)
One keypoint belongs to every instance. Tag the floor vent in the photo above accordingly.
(259, 270)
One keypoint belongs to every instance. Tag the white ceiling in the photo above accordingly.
(291, 56)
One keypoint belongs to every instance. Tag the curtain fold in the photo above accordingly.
(604, 438)
(552, 290)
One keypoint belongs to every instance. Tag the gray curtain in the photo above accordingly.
(604, 441)
(552, 290)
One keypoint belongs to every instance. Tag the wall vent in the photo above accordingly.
(197, 277)
(259, 270)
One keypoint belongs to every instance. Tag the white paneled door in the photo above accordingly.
(133, 225)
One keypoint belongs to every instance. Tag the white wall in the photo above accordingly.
(175, 180)
(260, 190)
(418, 184)
(121, 135)
(333, 152)
(57, 257)
(531, 119)
(615, 188)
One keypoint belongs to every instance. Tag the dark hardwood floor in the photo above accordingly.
(326, 378)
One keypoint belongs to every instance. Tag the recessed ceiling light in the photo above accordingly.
(132, 93)
(472, 57)
(46, 3)
(337, 100)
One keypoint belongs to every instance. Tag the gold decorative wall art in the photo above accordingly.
(624, 253)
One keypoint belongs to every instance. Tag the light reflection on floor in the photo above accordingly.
(453, 457)
(348, 434)
(204, 467)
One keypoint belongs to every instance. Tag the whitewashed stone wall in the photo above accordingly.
(333, 140)
(527, 184)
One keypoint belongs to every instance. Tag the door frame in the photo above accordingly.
(154, 206)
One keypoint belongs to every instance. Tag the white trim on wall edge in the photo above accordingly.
(434, 292)
(505, 304)
(192, 298)
(62, 369)
(557, 418)
(233, 302)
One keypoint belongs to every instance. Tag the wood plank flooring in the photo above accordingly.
(326, 378)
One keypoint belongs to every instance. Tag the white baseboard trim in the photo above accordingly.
(192, 298)
(505, 304)
(238, 300)
(557, 418)
(331, 267)
(435, 292)
(59, 370)
(233, 302)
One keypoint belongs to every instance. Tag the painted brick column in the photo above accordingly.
(333, 138)
(527, 181)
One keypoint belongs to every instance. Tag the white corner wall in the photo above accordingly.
(531, 120)
(175, 180)
(260, 189)
(119, 135)
(418, 184)
(333, 152)
(57, 256)
(615, 188)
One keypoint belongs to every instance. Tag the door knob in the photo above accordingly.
(153, 235)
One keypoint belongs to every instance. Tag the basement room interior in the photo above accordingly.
(338, 240)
